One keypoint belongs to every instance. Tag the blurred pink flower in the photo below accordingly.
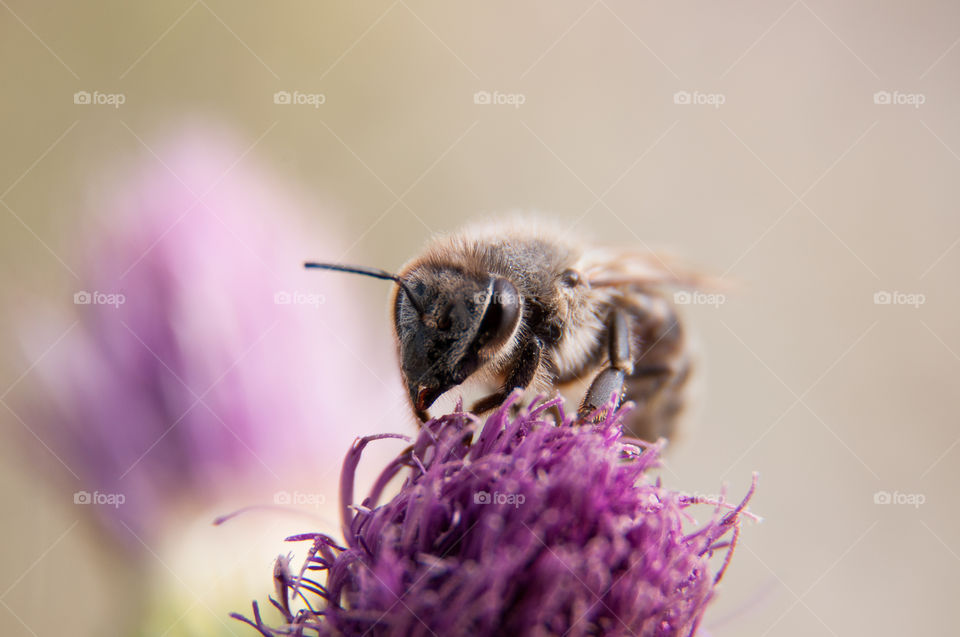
(206, 359)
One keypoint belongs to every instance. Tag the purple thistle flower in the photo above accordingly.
(528, 528)
(215, 368)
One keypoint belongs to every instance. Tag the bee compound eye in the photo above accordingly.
(502, 313)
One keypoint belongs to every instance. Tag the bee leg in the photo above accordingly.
(524, 369)
(610, 380)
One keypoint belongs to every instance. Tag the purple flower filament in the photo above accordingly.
(528, 528)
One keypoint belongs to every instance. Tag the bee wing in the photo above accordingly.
(619, 267)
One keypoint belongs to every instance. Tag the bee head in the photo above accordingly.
(449, 323)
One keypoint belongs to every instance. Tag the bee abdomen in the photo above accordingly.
(661, 368)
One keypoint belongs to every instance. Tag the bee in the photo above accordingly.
(520, 307)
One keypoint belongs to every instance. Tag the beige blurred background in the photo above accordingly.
(799, 188)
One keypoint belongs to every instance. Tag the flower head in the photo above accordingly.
(204, 359)
(520, 526)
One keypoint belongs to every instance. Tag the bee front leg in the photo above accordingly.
(610, 380)
(521, 375)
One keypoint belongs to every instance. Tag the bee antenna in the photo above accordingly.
(372, 272)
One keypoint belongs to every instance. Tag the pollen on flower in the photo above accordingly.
(516, 526)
